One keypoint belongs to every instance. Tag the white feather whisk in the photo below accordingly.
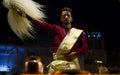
(18, 9)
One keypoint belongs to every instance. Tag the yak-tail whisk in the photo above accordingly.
(18, 9)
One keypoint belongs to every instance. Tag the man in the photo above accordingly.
(69, 42)
(65, 36)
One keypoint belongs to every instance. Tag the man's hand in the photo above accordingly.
(71, 56)
(19, 11)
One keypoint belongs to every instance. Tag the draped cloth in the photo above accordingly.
(60, 63)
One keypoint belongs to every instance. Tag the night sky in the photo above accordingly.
(90, 15)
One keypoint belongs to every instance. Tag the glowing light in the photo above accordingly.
(4, 68)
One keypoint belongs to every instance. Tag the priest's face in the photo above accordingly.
(66, 17)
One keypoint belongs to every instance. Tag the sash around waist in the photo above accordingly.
(60, 57)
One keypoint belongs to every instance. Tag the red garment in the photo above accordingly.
(80, 47)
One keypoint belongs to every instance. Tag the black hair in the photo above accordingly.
(66, 9)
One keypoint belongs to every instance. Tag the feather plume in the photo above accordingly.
(18, 9)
